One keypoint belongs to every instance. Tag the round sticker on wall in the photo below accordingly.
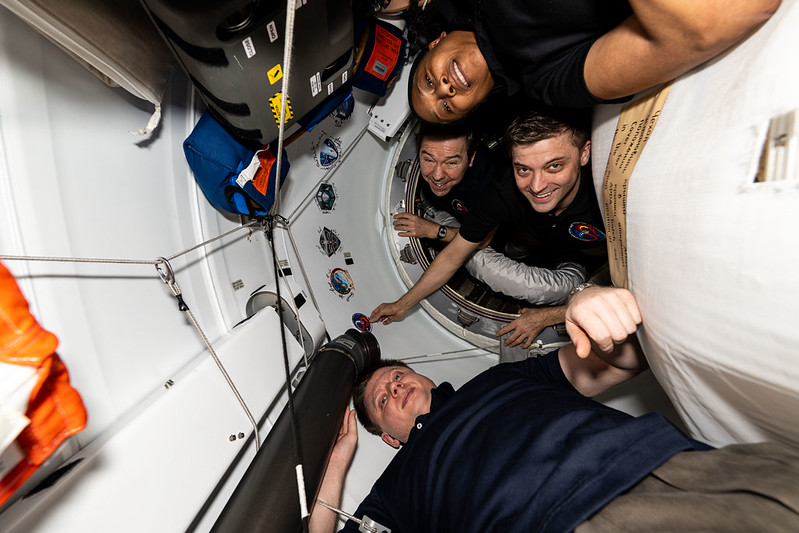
(327, 150)
(341, 282)
(361, 322)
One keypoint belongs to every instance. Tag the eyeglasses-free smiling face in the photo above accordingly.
(443, 163)
(451, 80)
(548, 172)
(394, 397)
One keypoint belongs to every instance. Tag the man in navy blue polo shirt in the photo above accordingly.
(522, 447)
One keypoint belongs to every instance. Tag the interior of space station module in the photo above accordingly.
(183, 325)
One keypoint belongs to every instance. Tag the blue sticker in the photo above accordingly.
(327, 150)
(585, 232)
(361, 322)
(328, 153)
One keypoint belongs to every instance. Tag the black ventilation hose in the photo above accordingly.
(265, 499)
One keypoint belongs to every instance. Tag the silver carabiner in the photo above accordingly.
(167, 275)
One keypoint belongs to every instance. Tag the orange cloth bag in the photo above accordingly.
(55, 408)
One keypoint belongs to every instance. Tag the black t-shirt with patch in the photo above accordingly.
(466, 194)
(544, 240)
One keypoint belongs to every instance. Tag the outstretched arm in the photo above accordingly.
(323, 520)
(440, 271)
(666, 38)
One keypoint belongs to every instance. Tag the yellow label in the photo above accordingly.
(274, 73)
(274, 103)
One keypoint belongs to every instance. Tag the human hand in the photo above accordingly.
(604, 315)
(323, 520)
(410, 225)
(526, 328)
(387, 313)
(346, 442)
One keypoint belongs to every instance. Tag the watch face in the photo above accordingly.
(442, 232)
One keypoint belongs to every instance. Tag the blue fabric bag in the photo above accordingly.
(225, 170)
(379, 59)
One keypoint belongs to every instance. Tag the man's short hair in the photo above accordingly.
(359, 390)
(448, 131)
(540, 124)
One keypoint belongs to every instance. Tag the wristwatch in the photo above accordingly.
(580, 287)
(442, 232)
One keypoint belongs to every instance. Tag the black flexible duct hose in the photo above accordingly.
(266, 497)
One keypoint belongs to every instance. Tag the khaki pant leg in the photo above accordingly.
(740, 488)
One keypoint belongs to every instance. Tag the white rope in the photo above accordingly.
(288, 44)
(209, 241)
(78, 260)
(165, 272)
(167, 275)
(287, 60)
(57, 259)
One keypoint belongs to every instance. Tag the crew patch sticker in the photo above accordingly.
(274, 74)
(326, 197)
(274, 103)
(458, 206)
(329, 241)
(361, 322)
(341, 283)
(585, 232)
(326, 151)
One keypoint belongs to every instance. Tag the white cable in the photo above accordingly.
(288, 43)
(301, 487)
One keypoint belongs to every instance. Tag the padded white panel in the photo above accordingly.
(712, 255)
